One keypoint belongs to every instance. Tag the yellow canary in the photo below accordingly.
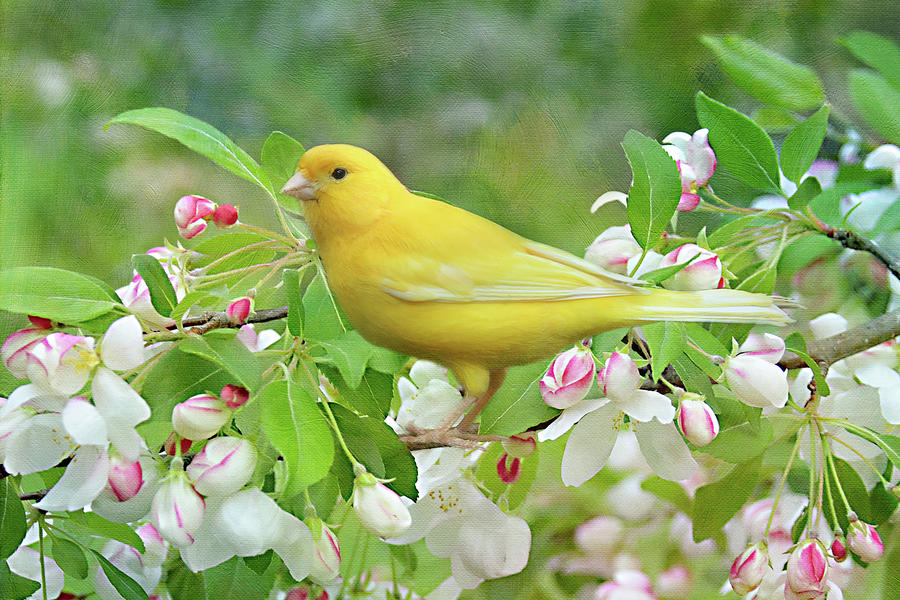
(434, 281)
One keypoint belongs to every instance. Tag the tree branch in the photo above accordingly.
(854, 241)
(216, 320)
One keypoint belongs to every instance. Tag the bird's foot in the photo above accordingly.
(445, 437)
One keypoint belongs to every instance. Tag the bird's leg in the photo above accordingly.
(494, 384)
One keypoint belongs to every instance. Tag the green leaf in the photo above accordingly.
(655, 190)
(693, 378)
(234, 580)
(323, 318)
(608, 340)
(387, 361)
(889, 221)
(377, 446)
(878, 52)
(706, 340)
(199, 137)
(189, 300)
(724, 234)
(878, 102)
(716, 503)
(883, 504)
(809, 189)
(12, 519)
(741, 146)
(279, 158)
(54, 294)
(211, 248)
(507, 496)
(517, 405)
(740, 443)
(827, 205)
(774, 119)
(766, 75)
(70, 557)
(802, 144)
(670, 491)
(666, 340)
(291, 278)
(97, 525)
(821, 385)
(230, 354)
(296, 428)
(182, 584)
(660, 275)
(854, 489)
(125, 585)
(349, 353)
(162, 294)
(13, 586)
(178, 376)
(371, 397)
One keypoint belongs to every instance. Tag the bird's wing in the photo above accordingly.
(526, 272)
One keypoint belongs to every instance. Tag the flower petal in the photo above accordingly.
(83, 480)
(39, 445)
(644, 405)
(122, 408)
(84, 422)
(122, 347)
(589, 445)
(665, 450)
(569, 417)
(608, 197)
(26, 562)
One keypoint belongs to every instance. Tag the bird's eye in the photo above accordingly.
(339, 173)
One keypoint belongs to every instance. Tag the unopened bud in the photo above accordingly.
(223, 467)
(40, 322)
(169, 445)
(326, 552)
(568, 379)
(839, 548)
(200, 417)
(191, 213)
(697, 420)
(807, 569)
(225, 216)
(864, 541)
(509, 469)
(234, 395)
(125, 478)
(379, 508)
(239, 310)
(520, 446)
(748, 569)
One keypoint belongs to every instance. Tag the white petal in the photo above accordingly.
(83, 480)
(569, 417)
(883, 157)
(448, 590)
(679, 139)
(84, 422)
(266, 338)
(19, 396)
(608, 197)
(212, 545)
(644, 405)
(827, 325)
(40, 444)
(26, 562)
(122, 347)
(665, 450)
(135, 508)
(406, 389)
(878, 376)
(294, 546)
(424, 371)
(589, 445)
(890, 404)
(122, 408)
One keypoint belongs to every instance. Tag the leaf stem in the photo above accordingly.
(787, 471)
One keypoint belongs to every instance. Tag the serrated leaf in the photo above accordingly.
(766, 75)
(802, 144)
(296, 428)
(670, 491)
(14, 586)
(716, 503)
(162, 294)
(54, 294)
(740, 443)
(178, 376)
(655, 189)
(517, 405)
(230, 354)
(349, 353)
(371, 397)
(878, 52)
(200, 137)
(279, 158)
(660, 275)
(99, 526)
(233, 580)
(70, 557)
(127, 587)
(809, 189)
(878, 102)
(742, 147)
(666, 340)
(12, 519)
(291, 278)
(323, 318)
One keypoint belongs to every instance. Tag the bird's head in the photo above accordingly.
(343, 189)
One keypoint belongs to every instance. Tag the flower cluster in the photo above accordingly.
(193, 212)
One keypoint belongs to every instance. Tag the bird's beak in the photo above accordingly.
(299, 187)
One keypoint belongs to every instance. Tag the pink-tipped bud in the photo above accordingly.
(697, 420)
(191, 213)
(748, 569)
(756, 381)
(177, 510)
(509, 469)
(379, 508)
(704, 272)
(40, 322)
(298, 593)
(225, 216)
(200, 417)
(520, 446)
(807, 570)
(568, 379)
(170, 448)
(234, 395)
(155, 547)
(612, 249)
(600, 536)
(223, 467)
(864, 541)
(326, 552)
(14, 351)
(839, 548)
(125, 478)
(619, 378)
(674, 582)
(239, 310)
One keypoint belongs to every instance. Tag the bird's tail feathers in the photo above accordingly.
(721, 306)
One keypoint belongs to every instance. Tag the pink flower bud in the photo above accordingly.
(704, 272)
(509, 470)
(225, 216)
(40, 322)
(234, 395)
(807, 570)
(697, 421)
(766, 346)
(155, 547)
(674, 582)
(612, 249)
(839, 548)
(200, 417)
(619, 378)
(223, 467)
(568, 379)
(693, 151)
(520, 446)
(177, 510)
(755, 381)
(61, 363)
(748, 569)
(298, 593)
(379, 508)
(326, 553)
(599, 536)
(191, 213)
(169, 446)
(239, 310)
(630, 584)
(15, 348)
(125, 478)
(864, 541)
